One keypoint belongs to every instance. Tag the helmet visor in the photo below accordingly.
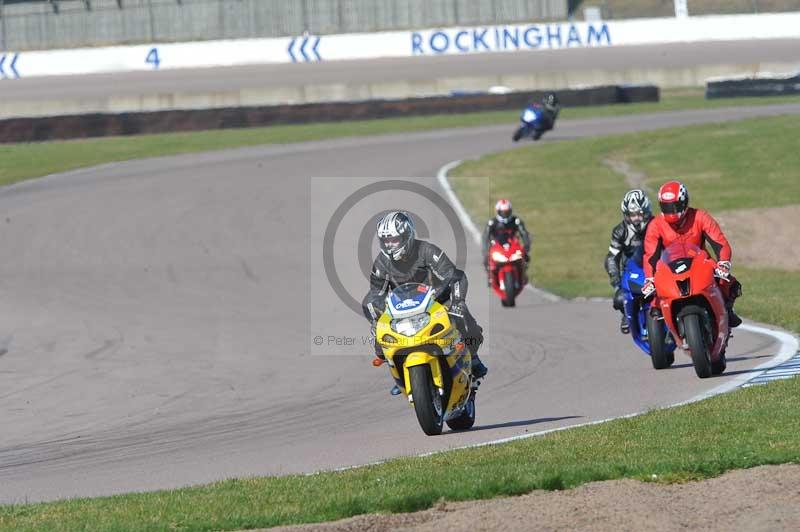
(636, 217)
(674, 207)
(391, 242)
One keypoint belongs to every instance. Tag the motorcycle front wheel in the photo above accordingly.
(695, 337)
(509, 290)
(427, 401)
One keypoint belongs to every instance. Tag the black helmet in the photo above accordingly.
(395, 234)
(550, 101)
(636, 209)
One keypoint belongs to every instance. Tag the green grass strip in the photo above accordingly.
(750, 427)
(25, 161)
(569, 197)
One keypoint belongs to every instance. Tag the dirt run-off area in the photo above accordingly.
(764, 238)
(765, 498)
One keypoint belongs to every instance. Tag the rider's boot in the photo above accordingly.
(734, 292)
(624, 327)
(378, 361)
(479, 370)
(733, 319)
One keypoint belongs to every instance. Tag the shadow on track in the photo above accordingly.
(734, 359)
(521, 423)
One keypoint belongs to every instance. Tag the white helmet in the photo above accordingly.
(396, 234)
(503, 210)
(636, 209)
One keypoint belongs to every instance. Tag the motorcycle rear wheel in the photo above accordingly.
(467, 419)
(427, 401)
(718, 367)
(656, 337)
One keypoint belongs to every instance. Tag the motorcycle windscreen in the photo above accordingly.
(505, 238)
(408, 299)
(678, 256)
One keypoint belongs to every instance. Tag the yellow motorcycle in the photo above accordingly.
(428, 358)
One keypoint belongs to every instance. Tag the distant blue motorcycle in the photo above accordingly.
(532, 123)
(650, 334)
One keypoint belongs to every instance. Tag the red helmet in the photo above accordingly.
(503, 210)
(673, 198)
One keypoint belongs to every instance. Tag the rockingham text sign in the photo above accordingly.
(509, 38)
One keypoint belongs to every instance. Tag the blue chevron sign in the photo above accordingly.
(8, 66)
(299, 50)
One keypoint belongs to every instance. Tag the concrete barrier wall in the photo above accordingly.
(101, 125)
(443, 41)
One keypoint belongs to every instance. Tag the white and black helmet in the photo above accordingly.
(396, 234)
(636, 209)
(551, 102)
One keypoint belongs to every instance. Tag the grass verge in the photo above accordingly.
(749, 427)
(24, 161)
(569, 198)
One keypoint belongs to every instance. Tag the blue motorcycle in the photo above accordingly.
(649, 333)
(532, 123)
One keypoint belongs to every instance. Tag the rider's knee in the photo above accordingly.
(619, 301)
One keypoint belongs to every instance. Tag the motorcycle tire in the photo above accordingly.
(696, 338)
(517, 134)
(718, 367)
(467, 419)
(426, 397)
(509, 290)
(656, 337)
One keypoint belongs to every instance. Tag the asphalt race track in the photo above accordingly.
(255, 77)
(158, 317)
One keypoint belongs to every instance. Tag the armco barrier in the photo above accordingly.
(775, 86)
(103, 125)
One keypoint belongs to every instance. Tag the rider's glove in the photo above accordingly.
(457, 309)
(649, 288)
(723, 269)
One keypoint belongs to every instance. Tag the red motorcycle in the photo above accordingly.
(507, 269)
(692, 305)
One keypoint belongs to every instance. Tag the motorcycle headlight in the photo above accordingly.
(528, 116)
(411, 325)
(499, 257)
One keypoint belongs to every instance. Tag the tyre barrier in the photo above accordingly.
(731, 88)
(139, 123)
